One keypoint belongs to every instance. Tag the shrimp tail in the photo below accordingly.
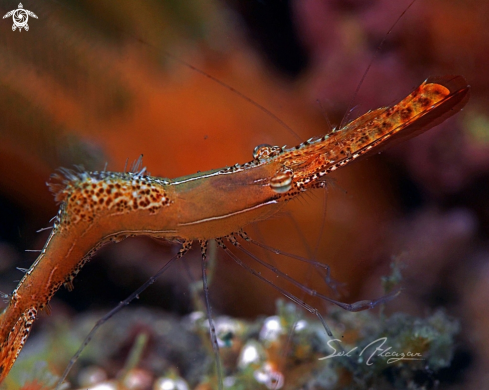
(13, 343)
(95, 209)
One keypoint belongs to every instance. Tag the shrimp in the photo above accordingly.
(100, 207)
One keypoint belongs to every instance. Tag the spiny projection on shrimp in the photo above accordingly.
(97, 208)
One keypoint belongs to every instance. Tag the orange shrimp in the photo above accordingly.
(102, 207)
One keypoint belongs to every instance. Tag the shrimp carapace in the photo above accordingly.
(102, 207)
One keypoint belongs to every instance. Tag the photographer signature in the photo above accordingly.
(387, 352)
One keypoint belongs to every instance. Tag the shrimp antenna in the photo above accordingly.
(240, 94)
(215, 79)
(329, 126)
(347, 116)
(118, 308)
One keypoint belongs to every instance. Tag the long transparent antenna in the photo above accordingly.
(347, 116)
(234, 90)
(185, 248)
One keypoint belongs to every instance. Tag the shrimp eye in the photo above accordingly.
(282, 181)
(264, 151)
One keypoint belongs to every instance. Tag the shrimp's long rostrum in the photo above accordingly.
(102, 207)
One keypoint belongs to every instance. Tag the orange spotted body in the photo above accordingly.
(103, 207)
